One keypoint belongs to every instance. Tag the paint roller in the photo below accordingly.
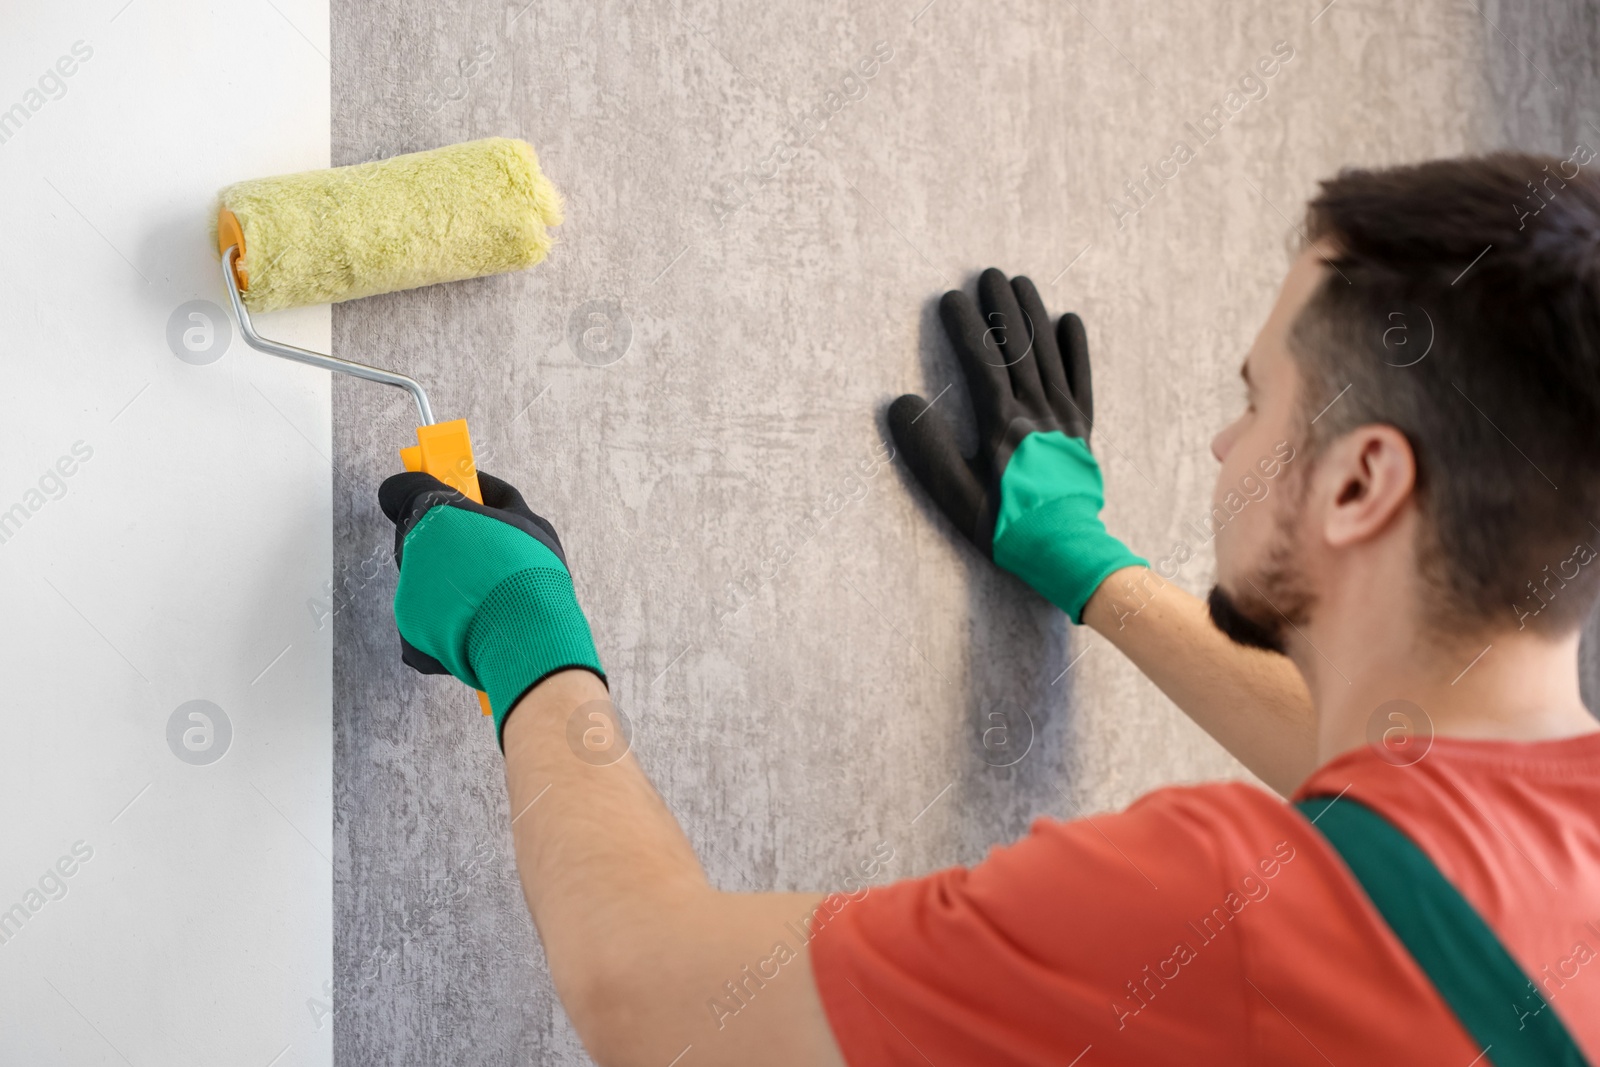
(320, 237)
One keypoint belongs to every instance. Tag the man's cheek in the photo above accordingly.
(1226, 489)
(1225, 550)
(1237, 527)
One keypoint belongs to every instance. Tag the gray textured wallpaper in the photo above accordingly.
(692, 389)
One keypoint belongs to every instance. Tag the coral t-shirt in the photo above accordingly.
(1214, 925)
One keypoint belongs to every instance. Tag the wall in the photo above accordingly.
(165, 842)
(695, 370)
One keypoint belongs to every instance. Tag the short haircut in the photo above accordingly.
(1463, 309)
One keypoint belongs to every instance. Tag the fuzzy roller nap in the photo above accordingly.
(452, 213)
(444, 215)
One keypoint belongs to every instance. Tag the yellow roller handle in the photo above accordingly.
(444, 450)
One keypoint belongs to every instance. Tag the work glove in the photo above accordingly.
(484, 590)
(1031, 497)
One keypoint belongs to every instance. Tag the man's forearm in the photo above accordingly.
(1254, 703)
(641, 948)
(588, 835)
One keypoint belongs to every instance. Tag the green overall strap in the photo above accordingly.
(1491, 995)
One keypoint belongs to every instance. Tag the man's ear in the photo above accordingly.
(1369, 474)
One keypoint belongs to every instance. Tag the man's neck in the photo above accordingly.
(1509, 686)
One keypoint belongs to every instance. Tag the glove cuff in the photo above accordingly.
(527, 628)
(1062, 553)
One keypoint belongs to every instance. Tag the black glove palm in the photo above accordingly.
(1030, 498)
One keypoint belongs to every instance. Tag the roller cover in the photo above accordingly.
(450, 213)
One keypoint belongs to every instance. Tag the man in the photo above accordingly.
(1403, 555)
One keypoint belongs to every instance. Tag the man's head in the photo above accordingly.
(1433, 360)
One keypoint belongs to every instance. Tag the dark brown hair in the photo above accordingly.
(1463, 309)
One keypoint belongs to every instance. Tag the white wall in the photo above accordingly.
(173, 564)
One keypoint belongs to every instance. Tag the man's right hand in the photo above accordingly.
(1030, 498)
(484, 592)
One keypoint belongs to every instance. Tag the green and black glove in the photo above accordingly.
(484, 590)
(1031, 497)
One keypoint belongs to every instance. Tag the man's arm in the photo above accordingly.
(1254, 703)
(648, 959)
(1030, 500)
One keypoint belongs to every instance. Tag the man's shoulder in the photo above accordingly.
(1182, 840)
(1232, 801)
(1222, 814)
